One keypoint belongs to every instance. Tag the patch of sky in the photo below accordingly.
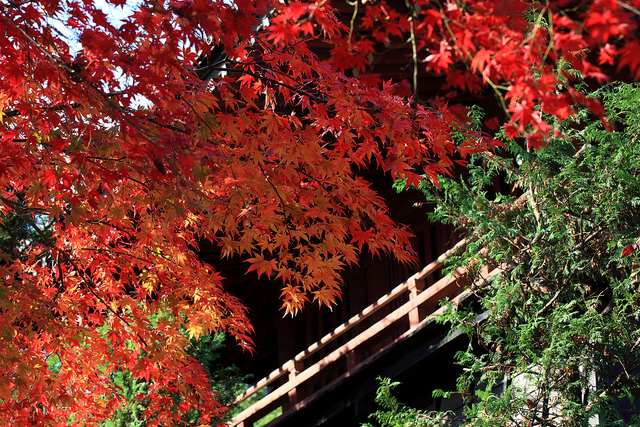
(116, 15)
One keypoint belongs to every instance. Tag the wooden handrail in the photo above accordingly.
(455, 301)
(295, 378)
(381, 302)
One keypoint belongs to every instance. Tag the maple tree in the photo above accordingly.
(528, 55)
(120, 159)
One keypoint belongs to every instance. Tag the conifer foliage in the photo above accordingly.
(560, 324)
(120, 158)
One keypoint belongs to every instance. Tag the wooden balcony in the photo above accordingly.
(409, 306)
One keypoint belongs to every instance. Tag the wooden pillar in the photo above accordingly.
(415, 287)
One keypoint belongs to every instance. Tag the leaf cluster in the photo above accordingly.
(226, 381)
(514, 50)
(395, 414)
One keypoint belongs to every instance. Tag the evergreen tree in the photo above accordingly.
(562, 318)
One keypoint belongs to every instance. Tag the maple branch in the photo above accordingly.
(111, 251)
(353, 20)
(262, 60)
(100, 165)
(302, 40)
(628, 7)
(170, 127)
(387, 50)
(61, 279)
(551, 46)
(62, 107)
(197, 193)
(90, 289)
(414, 47)
(165, 257)
(100, 221)
(258, 76)
(20, 207)
(274, 189)
(105, 159)
(496, 88)
(14, 113)
(329, 192)
(20, 210)
(103, 97)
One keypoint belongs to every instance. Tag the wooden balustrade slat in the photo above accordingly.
(435, 265)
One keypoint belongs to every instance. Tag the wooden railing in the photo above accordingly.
(421, 303)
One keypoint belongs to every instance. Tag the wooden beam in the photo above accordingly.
(435, 265)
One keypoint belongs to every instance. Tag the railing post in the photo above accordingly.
(294, 369)
(415, 287)
(353, 358)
